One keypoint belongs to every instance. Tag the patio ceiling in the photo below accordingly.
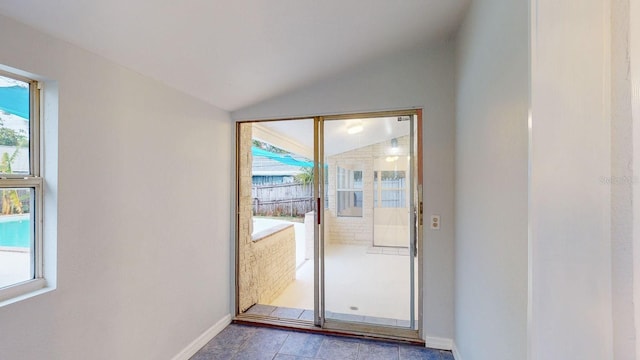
(337, 138)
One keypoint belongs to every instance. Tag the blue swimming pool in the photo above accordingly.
(15, 231)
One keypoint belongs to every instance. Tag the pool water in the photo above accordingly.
(15, 231)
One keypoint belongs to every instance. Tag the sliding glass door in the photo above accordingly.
(328, 222)
(367, 233)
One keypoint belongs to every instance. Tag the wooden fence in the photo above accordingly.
(282, 199)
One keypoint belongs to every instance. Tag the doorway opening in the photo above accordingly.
(328, 222)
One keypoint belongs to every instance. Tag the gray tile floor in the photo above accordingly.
(249, 343)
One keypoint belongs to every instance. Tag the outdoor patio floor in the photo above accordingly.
(362, 284)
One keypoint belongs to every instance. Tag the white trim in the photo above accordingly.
(438, 343)
(532, 65)
(634, 55)
(33, 182)
(203, 339)
(23, 290)
(456, 353)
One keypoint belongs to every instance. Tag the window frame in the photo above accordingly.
(378, 189)
(32, 180)
(349, 189)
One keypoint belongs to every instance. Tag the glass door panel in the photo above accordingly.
(368, 222)
(276, 220)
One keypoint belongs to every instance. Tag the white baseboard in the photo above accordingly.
(203, 339)
(438, 343)
(456, 354)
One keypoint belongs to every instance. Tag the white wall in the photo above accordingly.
(570, 243)
(417, 78)
(491, 182)
(621, 187)
(143, 213)
(634, 53)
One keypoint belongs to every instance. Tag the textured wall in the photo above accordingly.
(275, 268)
(247, 263)
(267, 262)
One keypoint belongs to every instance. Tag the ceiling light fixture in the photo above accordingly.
(391, 158)
(354, 129)
(393, 150)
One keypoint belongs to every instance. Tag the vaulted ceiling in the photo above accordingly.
(235, 53)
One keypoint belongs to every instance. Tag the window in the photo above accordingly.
(20, 184)
(349, 192)
(390, 188)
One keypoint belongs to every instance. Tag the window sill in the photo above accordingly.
(22, 291)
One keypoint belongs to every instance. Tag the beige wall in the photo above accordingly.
(247, 282)
(275, 254)
(267, 261)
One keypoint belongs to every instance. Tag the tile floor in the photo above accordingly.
(243, 342)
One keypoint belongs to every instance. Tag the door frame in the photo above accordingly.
(416, 228)
(336, 326)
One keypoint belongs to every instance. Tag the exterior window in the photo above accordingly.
(389, 189)
(20, 182)
(349, 192)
